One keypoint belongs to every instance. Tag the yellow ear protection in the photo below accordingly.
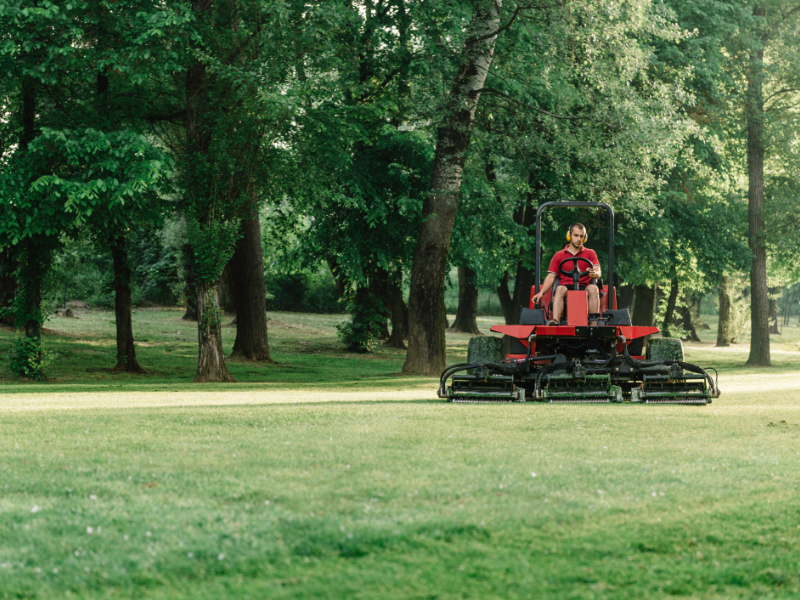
(569, 233)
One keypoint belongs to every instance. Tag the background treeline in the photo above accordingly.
(243, 155)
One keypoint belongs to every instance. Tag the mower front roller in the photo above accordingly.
(591, 389)
(490, 389)
(660, 389)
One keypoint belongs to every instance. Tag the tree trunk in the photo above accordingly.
(790, 300)
(644, 307)
(687, 320)
(759, 307)
(426, 347)
(8, 286)
(211, 360)
(379, 289)
(524, 280)
(126, 352)
(503, 295)
(506, 300)
(398, 311)
(625, 296)
(249, 291)
(189, 284)
(227, 290)
(338, 278)
(35, 257)
(28, 132)
(467, 313)
(773, 312)
(669, 315)
(723, 327)
(29, 314)
(34, 262)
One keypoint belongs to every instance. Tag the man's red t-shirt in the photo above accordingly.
(565, 253)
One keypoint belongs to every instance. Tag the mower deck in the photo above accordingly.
(579, 365)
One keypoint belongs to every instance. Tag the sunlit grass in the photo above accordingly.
(329, 475)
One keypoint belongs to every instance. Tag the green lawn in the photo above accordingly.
(331, 476)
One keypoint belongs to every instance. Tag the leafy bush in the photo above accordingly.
(29, 357)
(367, 322)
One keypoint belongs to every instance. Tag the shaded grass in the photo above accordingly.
(330, 476)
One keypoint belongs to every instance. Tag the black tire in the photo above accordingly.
(665, 349)
(485, 349)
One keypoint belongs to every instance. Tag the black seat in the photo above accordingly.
(528, 316)
(532, 316)
(620, 316)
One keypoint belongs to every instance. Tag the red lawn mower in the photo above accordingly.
(573, 361)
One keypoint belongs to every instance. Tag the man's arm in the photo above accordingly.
(548, 283)
(594, 272)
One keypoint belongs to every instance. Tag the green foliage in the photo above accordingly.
(362, 332)
(305, 291)
(210, 317)
(29, 357)
(213, 245)
(82, 271)
(327, 112)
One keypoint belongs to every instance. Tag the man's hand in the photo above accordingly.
(594, 272)
(538, 297)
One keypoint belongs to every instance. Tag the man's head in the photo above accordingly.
(577, 235)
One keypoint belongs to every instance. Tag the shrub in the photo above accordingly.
(367, 322)
(29, 357)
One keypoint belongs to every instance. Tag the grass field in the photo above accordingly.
(331, 476)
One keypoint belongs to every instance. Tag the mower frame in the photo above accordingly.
(574, 361)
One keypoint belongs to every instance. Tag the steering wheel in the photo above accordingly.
(575, 273)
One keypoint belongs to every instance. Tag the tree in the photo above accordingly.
(247, 266)
(466, 315)
(235, 105)
(759, 338)
(426, 349)
(372, 156)
(70, 177)
(745, 73)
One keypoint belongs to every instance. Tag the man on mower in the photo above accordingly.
(574, 255)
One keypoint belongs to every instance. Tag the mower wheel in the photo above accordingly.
(485, 349)
(665, 349)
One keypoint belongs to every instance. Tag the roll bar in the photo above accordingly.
(610, 236)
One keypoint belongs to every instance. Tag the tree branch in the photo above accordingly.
(540, 110)
(154, 118)
(783, 91)
(242, 46)
(787, 224)
(790, 13)
(486, 36)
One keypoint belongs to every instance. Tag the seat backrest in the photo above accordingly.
(532, 316)
(618, 317)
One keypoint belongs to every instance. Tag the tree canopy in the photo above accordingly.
(390, 141)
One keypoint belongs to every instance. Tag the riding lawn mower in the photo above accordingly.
(575, 361)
